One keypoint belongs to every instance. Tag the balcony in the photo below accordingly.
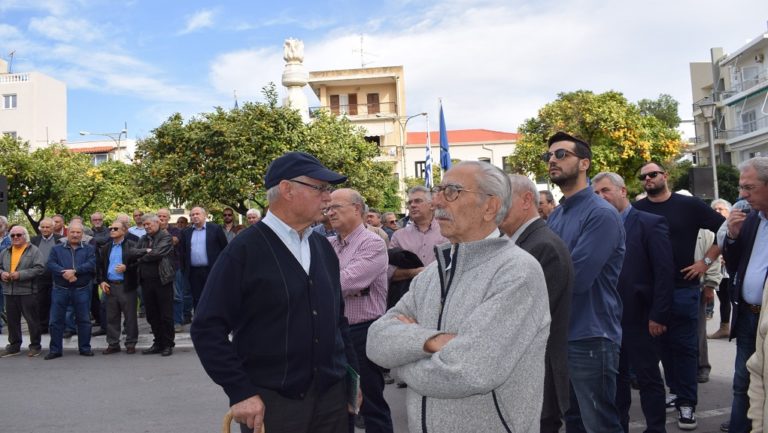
(357, 110)
(13, 78)
(748, 127)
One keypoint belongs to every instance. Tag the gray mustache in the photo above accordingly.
(443, 214)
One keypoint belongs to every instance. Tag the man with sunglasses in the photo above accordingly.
(276, 290)
(117, 279)
(679, 346)
(592, 230)
(20, 265)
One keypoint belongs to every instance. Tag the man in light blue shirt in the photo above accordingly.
(593, 232)
(201, 244)
(746, 256)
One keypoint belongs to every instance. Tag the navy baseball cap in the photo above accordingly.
(295, 164)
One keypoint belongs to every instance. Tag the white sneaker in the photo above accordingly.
(671, 399)
(686, 419)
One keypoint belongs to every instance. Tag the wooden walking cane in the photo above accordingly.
(227, 423)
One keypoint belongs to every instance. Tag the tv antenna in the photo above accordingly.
(363, 53)
(10, 61)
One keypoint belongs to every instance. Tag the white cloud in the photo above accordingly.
(198, 20)
(63, 29)
(247, 71)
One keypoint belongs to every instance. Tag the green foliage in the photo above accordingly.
(621, 137)
(663, 108)
(219, 159)
(679, 176)
(54, 180)
(728, 182)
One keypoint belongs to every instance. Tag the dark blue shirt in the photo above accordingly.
(593, 231)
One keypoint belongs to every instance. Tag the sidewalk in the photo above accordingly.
(182, 340)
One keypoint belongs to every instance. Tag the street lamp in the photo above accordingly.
(403, 122)
(115, 136)
(707, 107)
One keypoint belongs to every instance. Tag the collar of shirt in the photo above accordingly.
(433, 225)
(297, 243)
(115, 244)
(47, 239)
(516, 235)
(194, 227)
(577, 198)
(625, 213)
(343, 242)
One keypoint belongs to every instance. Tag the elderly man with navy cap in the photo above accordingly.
(276, 289)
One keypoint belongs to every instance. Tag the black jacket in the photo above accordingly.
(102, 263)
(736, 253)
(215, 242)
(161, 254)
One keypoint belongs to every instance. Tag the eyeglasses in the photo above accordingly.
(228, 214)
(652, 174)
(558, 154)
(318, 188)
(415, 201)
(16, 235)
(391, 222)
(451, 191)
(335, 208)
(747, 188)
(114, 229)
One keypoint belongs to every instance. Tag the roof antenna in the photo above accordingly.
(10, 62)
(363, 53)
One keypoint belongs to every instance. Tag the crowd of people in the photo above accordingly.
(498, 308)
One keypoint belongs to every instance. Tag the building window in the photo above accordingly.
(335, 104)
(373, 103)
(375, 139)
(749, 121)
(484, 159)
(98, 158)
(11, 134)
(419, 168)
(352, 99)
(9, 101)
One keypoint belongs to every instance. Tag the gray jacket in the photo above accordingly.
(31, 265)
(490, 377)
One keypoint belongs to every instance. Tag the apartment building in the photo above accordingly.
(33, 107)
(737, 83)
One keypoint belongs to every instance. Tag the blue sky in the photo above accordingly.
(494, 63)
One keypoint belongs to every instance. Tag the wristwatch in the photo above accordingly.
(707, 261)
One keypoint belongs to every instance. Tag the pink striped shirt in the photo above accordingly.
(363, 263)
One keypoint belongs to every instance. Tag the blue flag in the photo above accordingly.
(445, 154)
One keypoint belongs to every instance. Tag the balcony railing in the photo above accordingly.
(752, 81)
(760, 123)
(13, 78)
(369, 110)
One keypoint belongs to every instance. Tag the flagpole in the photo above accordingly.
(428, 162)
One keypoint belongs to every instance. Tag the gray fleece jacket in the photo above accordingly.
(490, 377)
(31, 265)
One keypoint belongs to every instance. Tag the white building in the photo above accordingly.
(105, 149)
(33, 107)
(738, 84)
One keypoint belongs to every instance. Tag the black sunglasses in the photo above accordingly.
(558, 154)
(114, 229)
(16, 235)
(652, 174)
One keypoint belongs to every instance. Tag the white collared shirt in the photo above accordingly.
(297, 243)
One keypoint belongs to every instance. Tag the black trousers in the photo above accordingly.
(317, 412)
(158, 299)
(640, 349)
(22, 305)
(375, 410)
(198, 275)
(725, 301)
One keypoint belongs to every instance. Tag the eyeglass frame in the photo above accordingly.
(749, 188)
(653, 174)
(547, 156)
(15, 235)
(319, 188)
(437, 189)
(335, 207)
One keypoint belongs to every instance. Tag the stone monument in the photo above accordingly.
(295, 77)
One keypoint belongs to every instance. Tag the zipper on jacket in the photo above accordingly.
(443, 295)
(498, 411)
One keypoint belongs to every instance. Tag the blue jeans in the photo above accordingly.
(180, 287)
(680, 346)
(81, 298)
(745, 332)
(593, 365)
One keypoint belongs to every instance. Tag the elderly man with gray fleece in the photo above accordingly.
(470, 334)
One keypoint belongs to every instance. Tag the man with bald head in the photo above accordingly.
(73, 265)
(276, 291)
(363, 262)
(201, 243)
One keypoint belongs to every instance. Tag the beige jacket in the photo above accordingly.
(758, 387)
